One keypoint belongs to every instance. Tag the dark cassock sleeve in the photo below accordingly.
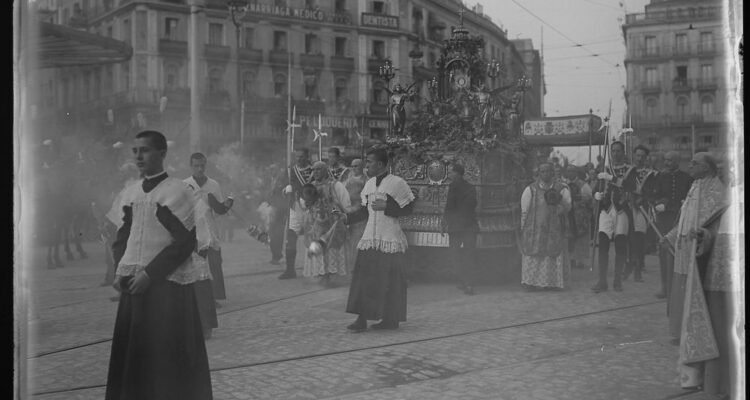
(216, 205)
(176, 253)
(392, 208)
(121, 240)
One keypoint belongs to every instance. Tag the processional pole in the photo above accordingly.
(595, 228)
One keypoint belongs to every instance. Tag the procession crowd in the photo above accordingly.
(163, 239)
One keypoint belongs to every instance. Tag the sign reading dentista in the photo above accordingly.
(299, 13)
(379, 21)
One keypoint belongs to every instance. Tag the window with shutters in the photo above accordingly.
(682, 109)
(340, 47)
(378, 49)
(215, 34)
(279, 40)
(279, 85)
(170, 28)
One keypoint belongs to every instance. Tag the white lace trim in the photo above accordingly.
(382, 245)
(179, 276)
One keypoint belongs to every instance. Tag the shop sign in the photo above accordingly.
(379, 21)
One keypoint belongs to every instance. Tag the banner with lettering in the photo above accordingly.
(576, 130)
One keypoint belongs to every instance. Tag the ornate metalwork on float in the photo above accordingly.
(464, 121)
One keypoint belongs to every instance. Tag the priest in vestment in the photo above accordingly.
(544, 207)
(706, 196)
(711, 350)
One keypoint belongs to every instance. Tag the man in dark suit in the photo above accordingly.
(672, 188)
(460, 221)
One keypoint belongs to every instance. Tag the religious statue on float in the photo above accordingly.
(396, 106)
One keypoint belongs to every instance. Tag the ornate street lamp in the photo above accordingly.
(523, 83)
(237, 10)
(494, 68)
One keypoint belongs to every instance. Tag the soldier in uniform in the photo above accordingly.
(672, 186)
(336, 167)
(614, 222)
(641, 188)
(299, 175)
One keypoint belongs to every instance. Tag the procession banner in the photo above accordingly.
(575, 130)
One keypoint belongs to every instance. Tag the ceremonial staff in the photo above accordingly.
(596, 210)
(319, 137)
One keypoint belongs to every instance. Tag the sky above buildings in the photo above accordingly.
(583, 53)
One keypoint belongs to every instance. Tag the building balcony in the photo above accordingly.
(709, 118)
(342, 63)
(279, 57)
(216, 52)
(217, 99)
(378, 109)
(173, 47)
(682, 14)
(682, 85)
(683, 120)
(650, 87)
(681, 51)
(342, 17)
(707, 84)
(648, 122)
(423, 72)
(179, 96)
(707, 49)
(251, 55)
(653, 52)
(311, 61)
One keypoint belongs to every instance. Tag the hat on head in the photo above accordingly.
(319, 164)
(356, 162)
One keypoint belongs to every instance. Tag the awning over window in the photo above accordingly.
(61, 46)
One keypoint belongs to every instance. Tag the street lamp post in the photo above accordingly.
(387, 72)
(237, 10)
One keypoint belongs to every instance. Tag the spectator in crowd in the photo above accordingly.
(672, 188)
(354, 183)
(460, 221)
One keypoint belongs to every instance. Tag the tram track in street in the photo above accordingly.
(225, 312)
(389, 345)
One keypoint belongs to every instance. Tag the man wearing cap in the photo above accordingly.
(354, 183)
(336, 167)
(298, 175)
(672, 185)
(614, 222)
(642, 191)
(460, 221)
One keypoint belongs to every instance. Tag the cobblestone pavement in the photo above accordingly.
(287, 339)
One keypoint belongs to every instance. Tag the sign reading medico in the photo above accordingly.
(299, 13)
(379, 21)
(575, 130)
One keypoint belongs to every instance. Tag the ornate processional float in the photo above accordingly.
(463, 121)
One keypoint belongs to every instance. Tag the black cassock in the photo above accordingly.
(378, 287)
(158, 350)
